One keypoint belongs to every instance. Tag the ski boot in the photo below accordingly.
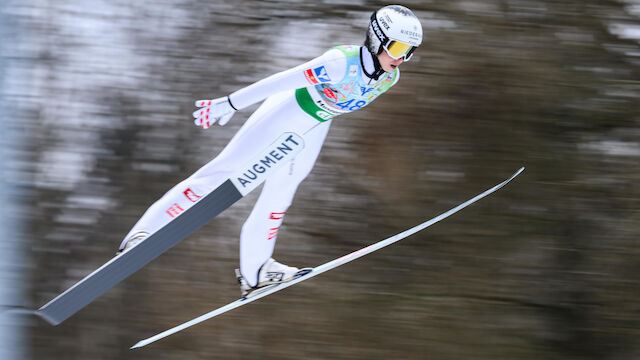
(132, 241)
(271, 272)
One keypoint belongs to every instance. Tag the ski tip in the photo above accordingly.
(515, 174)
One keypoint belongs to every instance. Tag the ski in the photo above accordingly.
(206, 208)
(262, 292)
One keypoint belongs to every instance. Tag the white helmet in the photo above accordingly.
(395, 29)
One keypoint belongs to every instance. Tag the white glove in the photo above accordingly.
(210, 111)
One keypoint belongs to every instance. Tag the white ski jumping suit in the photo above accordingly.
(302, 100)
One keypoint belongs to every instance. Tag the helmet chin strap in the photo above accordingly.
(377, 68)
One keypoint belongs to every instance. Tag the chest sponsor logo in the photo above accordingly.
(353, 70)
(364, 90)
(330, 94)
(262, 166)
(327, 107)
(308, 74)
(321, 74)
(324, 115)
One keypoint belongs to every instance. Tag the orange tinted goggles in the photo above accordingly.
(397, 50)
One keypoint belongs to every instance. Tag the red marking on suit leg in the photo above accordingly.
(174, 210)
(273, 233)
(191, 195)
(276, 216)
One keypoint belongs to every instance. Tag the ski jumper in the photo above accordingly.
(303, 100)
